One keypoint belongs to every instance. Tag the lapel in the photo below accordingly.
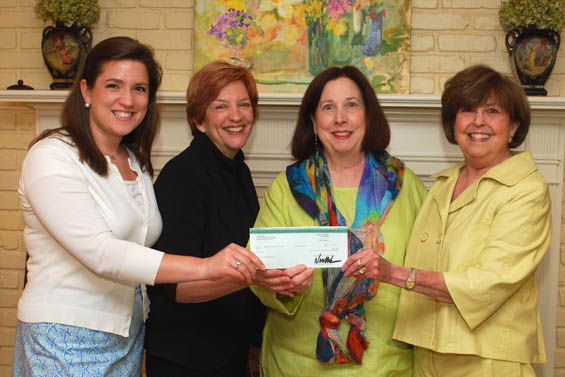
(442, 191)
(509, 172)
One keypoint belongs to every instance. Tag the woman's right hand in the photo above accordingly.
(234, 261)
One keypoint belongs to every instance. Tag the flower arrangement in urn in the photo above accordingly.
(533, 37)
(82, 13)
(64, 45)
(543, 14)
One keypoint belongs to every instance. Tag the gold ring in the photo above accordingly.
(362, 270)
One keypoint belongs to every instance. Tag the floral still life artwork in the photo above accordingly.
(287, 42)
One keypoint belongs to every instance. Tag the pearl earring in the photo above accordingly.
(87, 105)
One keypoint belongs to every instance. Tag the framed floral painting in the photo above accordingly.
(287, 42)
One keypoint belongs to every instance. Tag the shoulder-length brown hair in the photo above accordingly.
(75, 117)
(473, 87)
(377, 134)
(206, 84)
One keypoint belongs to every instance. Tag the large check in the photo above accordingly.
(318, 246)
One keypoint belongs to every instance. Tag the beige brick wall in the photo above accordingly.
(447, 36)
(17, 129)
(168, 28)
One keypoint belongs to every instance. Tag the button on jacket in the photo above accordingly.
(488, 243)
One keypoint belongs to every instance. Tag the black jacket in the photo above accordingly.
(206, 201)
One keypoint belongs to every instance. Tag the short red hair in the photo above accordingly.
(206, 84)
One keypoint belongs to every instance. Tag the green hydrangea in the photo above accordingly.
(543, 14)
(68, 12)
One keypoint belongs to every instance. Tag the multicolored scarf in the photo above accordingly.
(311, 186)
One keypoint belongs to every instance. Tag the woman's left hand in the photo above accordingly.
(367, 263)
(300, 278)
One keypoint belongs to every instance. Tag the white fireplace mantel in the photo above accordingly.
(417, 139)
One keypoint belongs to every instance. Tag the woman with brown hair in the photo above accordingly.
(470, 300)
(331, 325)
(90, 214)
(207, 200)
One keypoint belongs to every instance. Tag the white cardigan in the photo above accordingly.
(84, 235)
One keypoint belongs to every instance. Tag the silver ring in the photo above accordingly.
(237, 264)
(359, 263)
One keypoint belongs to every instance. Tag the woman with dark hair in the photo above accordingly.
(327, 325)
(90, 213)
(207, 200)
(470, 300)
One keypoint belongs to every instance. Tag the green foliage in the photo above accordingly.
(68, 12)
(543, 14)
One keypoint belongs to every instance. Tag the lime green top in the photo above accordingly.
(291, 331)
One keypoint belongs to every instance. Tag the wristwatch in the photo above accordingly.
(410, 283)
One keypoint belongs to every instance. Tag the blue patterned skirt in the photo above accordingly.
(52, 349)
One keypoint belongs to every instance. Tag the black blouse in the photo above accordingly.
(207, 201)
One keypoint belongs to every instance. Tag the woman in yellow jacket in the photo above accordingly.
(470, 301)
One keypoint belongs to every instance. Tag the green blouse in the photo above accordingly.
(291, 331)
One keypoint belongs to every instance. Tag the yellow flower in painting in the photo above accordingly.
(368, 62)
(235, 4)
(340, 28)
(300, 13)
(317, 4)
(313, 9)
(284, 8)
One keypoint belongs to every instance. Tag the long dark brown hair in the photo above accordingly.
(75, 118)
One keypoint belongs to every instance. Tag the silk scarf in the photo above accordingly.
(311, 186)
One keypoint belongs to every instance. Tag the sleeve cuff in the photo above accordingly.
(142, 264)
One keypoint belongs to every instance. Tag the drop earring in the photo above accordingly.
(316, 146)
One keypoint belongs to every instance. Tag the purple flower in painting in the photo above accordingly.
(337, 8)
(231, 27)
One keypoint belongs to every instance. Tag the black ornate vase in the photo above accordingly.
(63, 49)
(533, 52)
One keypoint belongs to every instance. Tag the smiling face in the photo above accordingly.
(229, 119)
(340, 121)
(482, 133)
(118, 100)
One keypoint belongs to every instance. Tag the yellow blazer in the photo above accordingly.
(488, 243)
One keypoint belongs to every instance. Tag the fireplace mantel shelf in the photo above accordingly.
(267, 99)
